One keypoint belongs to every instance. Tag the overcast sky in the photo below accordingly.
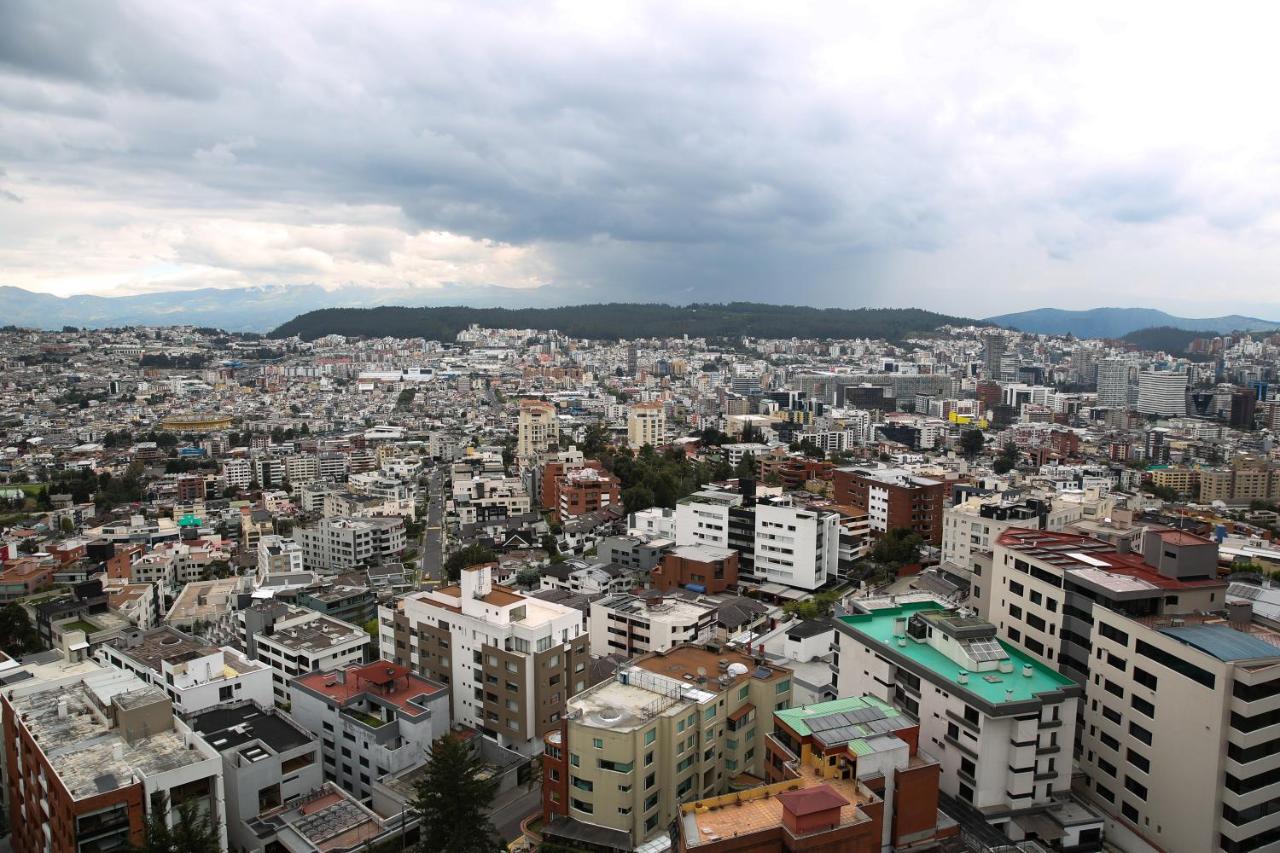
(967, 157)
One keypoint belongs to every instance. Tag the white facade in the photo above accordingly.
(630, 625)
(703, 518)
(208, 679)
(306, 644)
(796, 547)
(1162, 392)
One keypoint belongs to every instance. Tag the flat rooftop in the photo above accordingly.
(317, 635)
(168, 645)
(1226, 643)
(206, 599)
(761, 809)
(878, 628)
(227, 728)
(81, 746)
(383, 680)
(702, 553)
(1096, 562)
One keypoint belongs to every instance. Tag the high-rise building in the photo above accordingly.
(1244, 404)
(993, 347)
(1114, 383)
(536, 428)
(1163, 393)
(510, 660)
(646, 424)
(667, 729)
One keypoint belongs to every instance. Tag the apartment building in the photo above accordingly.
(970, 529)
(306, 643)
(632, 625)
(301, 468)
(795, 546)
(536, 428)
(584, 491)
(339, 544)
(1001, 723)
(893, 499)
(701, 568)
(372, 720)
(1046, 588)
(237, 472)
(268, 763)
(1182, 729)
(702, 518)
(668, 729)
(90, 760)
(511, 661)
(194, 676)
(254, 524)
(1162, 392)
(278, 555)
(646, 424)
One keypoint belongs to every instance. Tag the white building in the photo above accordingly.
(511, 661)
(278, 556)
(307, 643)
(1001, 723)
(339, 543)
(646, 424)
(1162, 392)
(630, 625)
(796, 547)
(193, 675)
(702, 518)
(1115, 383)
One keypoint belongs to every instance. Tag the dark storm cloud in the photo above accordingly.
(821, 153)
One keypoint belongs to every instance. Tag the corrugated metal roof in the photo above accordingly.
(1225, 644)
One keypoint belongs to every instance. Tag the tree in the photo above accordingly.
(1007, 459)
(549, 545)
(972, 442)
(746, 467)
(469, 556)
(67, 525)
(898, 547)
(528, 578)
(452, 801)
(192, 832)
(18, 636)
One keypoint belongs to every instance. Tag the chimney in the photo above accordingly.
(1239, 614)
(962, 677)
(1008, 695)
(1028, 670)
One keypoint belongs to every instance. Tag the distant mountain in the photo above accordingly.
(1118, 322)
(621, 320)
(1162, 339)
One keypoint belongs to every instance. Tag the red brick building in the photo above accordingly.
(584, 490)
(712, 569)
(893, 499)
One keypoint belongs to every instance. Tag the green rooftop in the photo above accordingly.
(989, 686)
(796, 718)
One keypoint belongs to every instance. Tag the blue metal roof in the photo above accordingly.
(1225, 644)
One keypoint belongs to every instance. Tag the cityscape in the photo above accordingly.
(639, 427)
(974, 589)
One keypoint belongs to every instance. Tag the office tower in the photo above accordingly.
(1244, 404)
(536, 428)
(1163, 393)
(993, 348)
(646, 424)
(1113, 383)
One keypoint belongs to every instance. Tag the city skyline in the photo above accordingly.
(974, 163)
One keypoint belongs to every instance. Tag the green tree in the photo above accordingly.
(746, 467)
(897, 547)
(548, 544)
(528, 578)
(972, 442)
(469, 556)
(18, 636)
(452, 801)
(192, 832)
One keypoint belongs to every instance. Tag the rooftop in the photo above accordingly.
(1096, 562)
(383, 680)
(852, 713)
(317, 635)
(761, 809)
(81, 746)
(169, 645)
(1224, 642)
(878, 626)
(206, 599)
(228, 727)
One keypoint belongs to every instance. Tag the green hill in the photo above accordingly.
(622, 320)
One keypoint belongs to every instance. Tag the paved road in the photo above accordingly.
(432, 534)
(507, 817)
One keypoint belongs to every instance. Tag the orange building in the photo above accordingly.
(705, 568)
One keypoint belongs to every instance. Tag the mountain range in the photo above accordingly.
(1118, 322)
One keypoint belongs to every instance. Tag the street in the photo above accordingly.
(432, 548)
(507, 816)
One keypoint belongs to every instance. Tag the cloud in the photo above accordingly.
(976, 159)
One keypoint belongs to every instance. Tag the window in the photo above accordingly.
(598, 743)
(744, 692)
(1111, 714)
(1144, 678)
(1129, 812)
(783, 686)
(1114, 634)
(1136, 787)
(1015, 587)
(1142, 706)
(648, 783)
(1139, 761)
(650, 736)
(573, 759)
(582, 806)
(1106, 767)
(709, 713)
(1115, 689)
(1182, 667)
(1140, 733)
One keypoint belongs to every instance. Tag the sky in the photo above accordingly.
(971, 158)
